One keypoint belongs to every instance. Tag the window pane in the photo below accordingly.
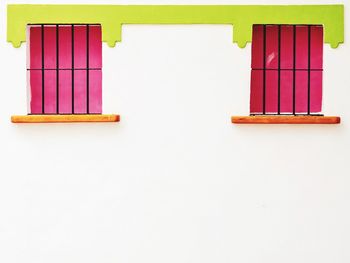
(271, 99)
(34, 42)
(316, 91)
(65, 91)
(316, 47)
(257, 47)
(287, 47)
(95, 47)
(271, 47)
(301, 47)
(35, 82)
(256, 94)
(50, 91)
(65, 46)
(301, 91)
(286, 91)
(80, 91)
(49, 47)
(95, 88)
(80, 54)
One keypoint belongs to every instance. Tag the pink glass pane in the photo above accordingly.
(50, 91)
(80, 91)
(95, 47)
(65, 47)
(65, 91)
(256, 94)
(35, 61)
(316, 47)
(286, 47)
(271, 56)
(271, 89)
(286, 91)
(35, 91)
(80, 55)
(95, 91)
(257, 47)
(301, 47)
(301, 91)
(50, 47)
(316, 91)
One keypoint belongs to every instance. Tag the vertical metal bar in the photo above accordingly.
(87, 70)
(57, 71)
(294, 63)
(308, 70)
(42, 71)
(264, 69)
(73, 69)
(279, 70)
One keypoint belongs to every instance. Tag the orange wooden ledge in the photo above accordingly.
(285, 119)
(65, 118)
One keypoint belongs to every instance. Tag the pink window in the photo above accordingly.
(64, 69)
(286, 74)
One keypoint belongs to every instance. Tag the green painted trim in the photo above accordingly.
(112, 17)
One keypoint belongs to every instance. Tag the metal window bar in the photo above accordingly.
(294, 66)
(87, 71)
(57, 72)
(308, 67)
(279, 71)
(72, 69)
(42, 71)
(264, 69)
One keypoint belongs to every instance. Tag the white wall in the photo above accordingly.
(174, 181)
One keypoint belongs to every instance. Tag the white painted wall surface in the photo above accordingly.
(174, 181)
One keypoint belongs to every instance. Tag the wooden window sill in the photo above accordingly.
(65, 118)
(282, 119)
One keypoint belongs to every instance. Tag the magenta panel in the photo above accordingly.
(80, 97)
(35, 61)
(80, 47)
(301, 91)
(301, 48)
(64, 78)
(286, 88)
(65, 47)
(256, 91)
(35, 81)
(271, 56)
(316, 47)
(257, 47)
(287, 66)
(271, 89)
(95, 47)
(95, 91)
(316, 91)
(50, 91)
(50, 47)
(286, 47)
(65, 92)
